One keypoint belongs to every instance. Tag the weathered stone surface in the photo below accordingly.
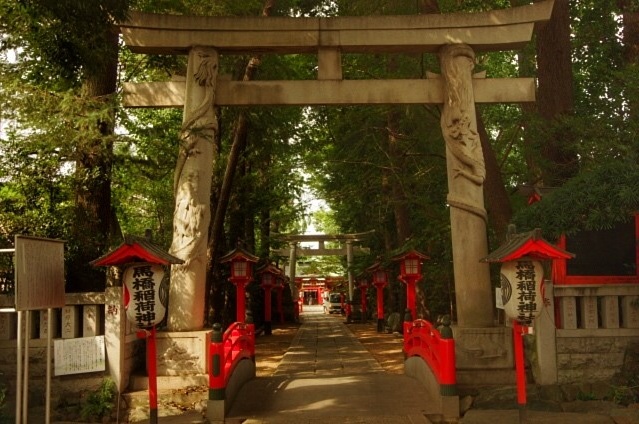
(489, 348)
(581, 374)
(182, 353)
(552, 392)
(586, 360)
(465, 403)
(570, 391)
(603, 345)
(590, 406)
(504, 29)
(328, 92)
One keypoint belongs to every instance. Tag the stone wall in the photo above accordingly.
(90, 314)
(584, 359)
(65, 389)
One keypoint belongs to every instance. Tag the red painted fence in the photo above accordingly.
(226, 351)
(422, 339)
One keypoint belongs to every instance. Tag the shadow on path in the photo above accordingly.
(326, 375)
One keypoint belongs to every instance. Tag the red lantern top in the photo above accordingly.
(363, 284)
(530, 245)
(410, 263)
(380, 276)
(136, 249)
(269, 275)
(241, 263)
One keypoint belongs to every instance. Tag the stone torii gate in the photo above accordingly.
(454, 37)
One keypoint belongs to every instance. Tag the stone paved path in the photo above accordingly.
(327, 376)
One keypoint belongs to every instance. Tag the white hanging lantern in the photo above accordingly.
(146, 288)
(522, 289)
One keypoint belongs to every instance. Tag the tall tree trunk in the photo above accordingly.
(399, 200)
(555, 94)
(498, 204)
(265, 212)
(528, 69)
(237, 147)
(630, 16)
(93, 214)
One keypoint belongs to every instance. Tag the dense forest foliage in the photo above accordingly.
(76, 165)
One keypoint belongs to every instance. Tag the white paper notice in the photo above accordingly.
(76, 356)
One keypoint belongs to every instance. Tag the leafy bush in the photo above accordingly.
(100, 402)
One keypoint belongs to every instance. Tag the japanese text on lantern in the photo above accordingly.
(143, 295)
(526, 294)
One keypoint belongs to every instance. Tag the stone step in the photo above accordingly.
(492, 377)
(171, 403)
(180, 397)
(168, 382)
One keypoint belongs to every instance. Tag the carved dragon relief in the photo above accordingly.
(188, 239)
(457, 123)
(201, 125)
(483, 350)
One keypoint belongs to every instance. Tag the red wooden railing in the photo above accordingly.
(226, 351)
(422, 339)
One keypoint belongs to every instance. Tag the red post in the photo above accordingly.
(411, 302)
(216, 364)
(280, 309)
(240, 301)
(348, 311)
(151, 367)
(362, 289)
(380, 307)
(267, 310)
(448, 372)
(518, 331)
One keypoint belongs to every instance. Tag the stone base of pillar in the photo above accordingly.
(380, 325)
(182, 352)
(268, 329)
(483, 348)
(181, 360)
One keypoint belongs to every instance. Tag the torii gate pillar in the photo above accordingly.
(192, 188)
(466, 174)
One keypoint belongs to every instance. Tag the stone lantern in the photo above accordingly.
(380, 280)
(410, 265)
(269, 275)
(241, 274)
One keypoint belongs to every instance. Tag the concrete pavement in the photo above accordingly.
(328, 376)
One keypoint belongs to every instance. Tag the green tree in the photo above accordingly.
(68, 51)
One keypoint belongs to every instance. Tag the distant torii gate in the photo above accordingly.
(347, 250)
(454, 37)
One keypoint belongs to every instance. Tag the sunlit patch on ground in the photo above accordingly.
(385, 348)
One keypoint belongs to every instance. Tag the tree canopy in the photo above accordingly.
(377, 168)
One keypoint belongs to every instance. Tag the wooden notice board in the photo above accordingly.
(39, 273)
